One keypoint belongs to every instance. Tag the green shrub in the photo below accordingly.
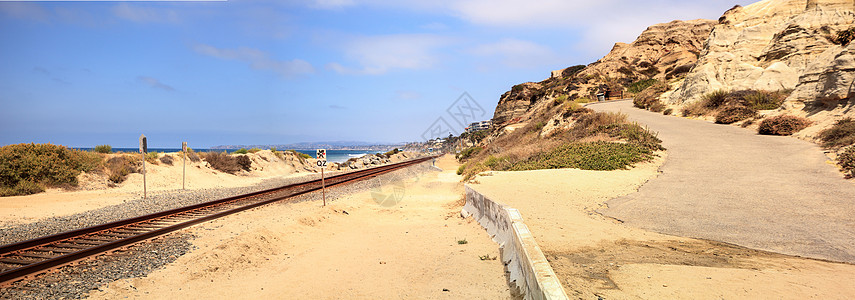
(43, 164)
(764, 100)
(733, 114)
(715, 99)
(460, 169)
(539, 125)
(468, 152)
(106, 149)
(151, 157)
(841, 134)
(587, 156)
(783, 125)
(641, 85)
(300, 155)
(241, 151)
(23, 188)
(559, 100)
(392, 152)
(668, 111)
(846, 160)
(253, 150)
(278, 154)
(634, 134)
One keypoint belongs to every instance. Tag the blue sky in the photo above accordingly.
(273, 72)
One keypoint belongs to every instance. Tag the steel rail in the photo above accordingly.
(57, 242)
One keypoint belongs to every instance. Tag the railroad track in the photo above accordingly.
(29, 258)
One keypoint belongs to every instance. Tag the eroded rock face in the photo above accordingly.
(773, 45)
(662, 51)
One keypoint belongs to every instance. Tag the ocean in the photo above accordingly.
(332, 155)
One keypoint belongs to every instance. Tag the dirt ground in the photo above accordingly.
(598, 256)
(352, 249)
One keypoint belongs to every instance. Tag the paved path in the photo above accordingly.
(730, 184)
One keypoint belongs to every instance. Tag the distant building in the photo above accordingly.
(483, 125)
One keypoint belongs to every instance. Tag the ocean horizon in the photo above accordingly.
(332, 155)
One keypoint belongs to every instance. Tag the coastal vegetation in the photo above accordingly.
(29, 168)
(106, 149)
(783, 125)
(846, 160)
(223, 162)
(591, 141)
(839, 135)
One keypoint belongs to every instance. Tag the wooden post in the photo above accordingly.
(323, 187)
(184, 167)
(143, 151)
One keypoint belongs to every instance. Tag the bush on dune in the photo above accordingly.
(28, 168)
(226, 163)
(594, 141)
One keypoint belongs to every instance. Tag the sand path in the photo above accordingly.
(596, 256)
(351, 249)
(730, 184)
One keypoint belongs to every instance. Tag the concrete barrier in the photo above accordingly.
(530, 271)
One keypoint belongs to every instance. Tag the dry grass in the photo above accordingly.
(591, 143)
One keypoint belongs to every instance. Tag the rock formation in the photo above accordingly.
(775, 45)
(662, 51)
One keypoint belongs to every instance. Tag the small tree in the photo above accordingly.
(103, 149)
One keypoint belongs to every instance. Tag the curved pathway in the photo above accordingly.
(730, 184)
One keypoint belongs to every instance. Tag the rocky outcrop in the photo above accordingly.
(775, 45)
(663, 51)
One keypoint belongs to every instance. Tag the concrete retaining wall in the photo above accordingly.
(530, 271)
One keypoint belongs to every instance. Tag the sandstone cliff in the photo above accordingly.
(662, 51)
(776, 45)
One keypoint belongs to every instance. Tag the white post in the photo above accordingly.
(145, 195)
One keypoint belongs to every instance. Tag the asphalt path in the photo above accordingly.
(730, 184)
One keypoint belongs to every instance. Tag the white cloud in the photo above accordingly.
(381, 54)
(332, 4)
(601, 23)
(24, 10)
(154, 83)
(145, 14)
(516, 53)
(258, 60)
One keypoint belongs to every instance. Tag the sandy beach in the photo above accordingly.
(354, 248)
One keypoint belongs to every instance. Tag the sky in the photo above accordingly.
(235, 72)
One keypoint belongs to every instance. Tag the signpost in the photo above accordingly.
(143, 151)
(321, 155)
(184, 171)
